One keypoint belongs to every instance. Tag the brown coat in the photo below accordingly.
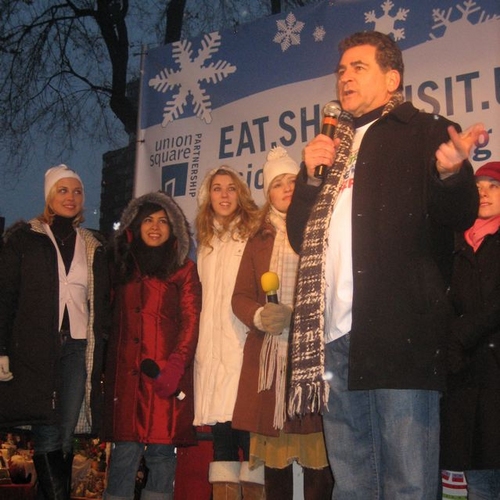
(254, 410)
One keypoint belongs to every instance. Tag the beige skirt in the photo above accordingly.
(308, 450)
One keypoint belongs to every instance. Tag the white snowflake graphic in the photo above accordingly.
(442, 18)
(385, 23)
(288, 32)
(319, 34)
(188, 78)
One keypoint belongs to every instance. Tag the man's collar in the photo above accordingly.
(404, 113)
(372, 115)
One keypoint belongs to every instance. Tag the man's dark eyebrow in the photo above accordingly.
(353, 63)
(358, 62)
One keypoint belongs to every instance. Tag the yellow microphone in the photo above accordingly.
(270, 284)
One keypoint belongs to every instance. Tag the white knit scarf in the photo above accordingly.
(274, 352)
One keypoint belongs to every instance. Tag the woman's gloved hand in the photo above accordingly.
(275, 317)
(171, 372)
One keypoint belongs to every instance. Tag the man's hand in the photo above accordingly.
(450, 155)
(5, 373)
(320, 151)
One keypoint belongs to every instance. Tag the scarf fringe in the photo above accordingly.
(273, 359)
(280, 406)
(311, 397)
(268, 355)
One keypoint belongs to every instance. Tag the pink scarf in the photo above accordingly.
(475, 235)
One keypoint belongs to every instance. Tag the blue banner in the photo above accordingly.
(228, 97)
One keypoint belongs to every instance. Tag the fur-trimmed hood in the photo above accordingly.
(178, 221)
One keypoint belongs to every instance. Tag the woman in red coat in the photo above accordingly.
(149, 380)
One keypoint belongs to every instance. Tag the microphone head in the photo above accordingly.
(332, 108)
(150, 367)
(269, 282)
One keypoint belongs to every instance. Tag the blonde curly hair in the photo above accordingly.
(242, 224)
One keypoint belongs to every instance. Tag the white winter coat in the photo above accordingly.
(219, 354)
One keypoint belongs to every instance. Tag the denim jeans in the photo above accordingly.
(73, 375)
(228, 442)
(124, 462)
(382, 444)
(483, 484)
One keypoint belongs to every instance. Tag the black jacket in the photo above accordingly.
(470, 429)
(29, 315)
(403, 218)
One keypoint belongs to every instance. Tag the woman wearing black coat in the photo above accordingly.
(53, 303)
(470, 426)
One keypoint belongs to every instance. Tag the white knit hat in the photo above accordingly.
(278, 162)
(57, 173)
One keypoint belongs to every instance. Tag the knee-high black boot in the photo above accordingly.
(279, 483)
(51, 471)
(68, 467)
(318, 483)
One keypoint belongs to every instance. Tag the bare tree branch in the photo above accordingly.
(65, 65)
(65, 68)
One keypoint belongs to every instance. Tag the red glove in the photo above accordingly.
(167, 382)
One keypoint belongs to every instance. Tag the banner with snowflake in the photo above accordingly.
(228, 97)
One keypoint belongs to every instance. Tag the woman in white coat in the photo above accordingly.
(226, 217)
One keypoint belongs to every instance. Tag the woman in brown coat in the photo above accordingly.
(260, 405)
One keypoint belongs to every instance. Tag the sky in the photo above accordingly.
(23, 198)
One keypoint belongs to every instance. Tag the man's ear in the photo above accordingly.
(393, 79)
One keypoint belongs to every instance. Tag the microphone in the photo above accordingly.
(270, 284)
(331, 112)
(151, 369)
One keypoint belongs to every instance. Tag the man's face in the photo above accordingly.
(362, 85)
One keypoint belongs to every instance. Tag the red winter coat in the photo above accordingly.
(152, 319)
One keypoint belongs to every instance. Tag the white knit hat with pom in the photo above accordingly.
(278, 162)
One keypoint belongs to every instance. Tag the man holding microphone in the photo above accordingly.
(375, 239)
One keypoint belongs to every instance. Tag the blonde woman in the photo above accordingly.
(227, 216)
(53, 316)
